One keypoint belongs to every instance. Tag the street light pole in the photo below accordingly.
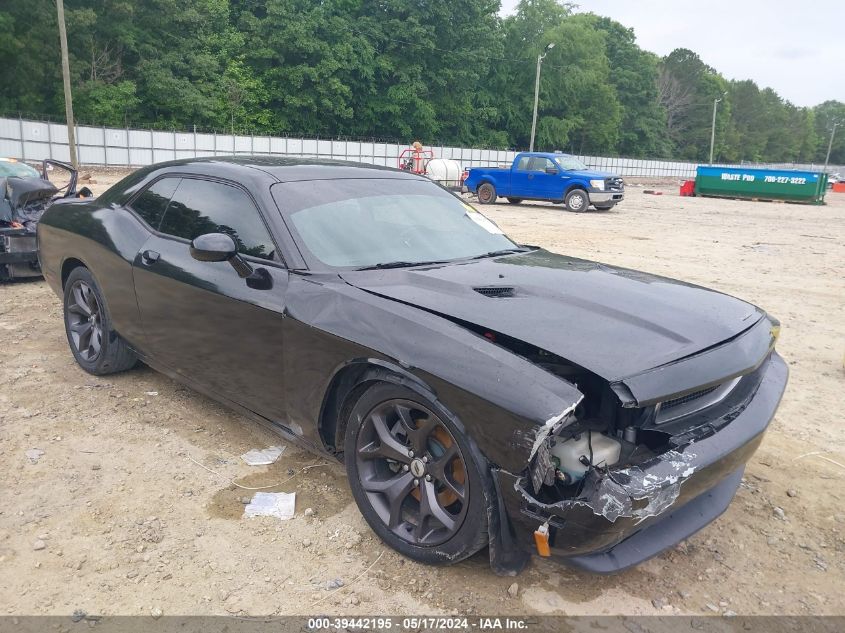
(830, 144)
(713, 126)
(537, 93)
(71, 136)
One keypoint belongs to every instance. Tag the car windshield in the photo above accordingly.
(384, 222)
(570, 162)
(15, 169)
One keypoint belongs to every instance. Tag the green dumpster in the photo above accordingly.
(767, 184)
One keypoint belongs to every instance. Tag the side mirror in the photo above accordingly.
(552, 171)
(213, 247)
(219, 247)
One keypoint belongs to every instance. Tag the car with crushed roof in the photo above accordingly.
(25, 193)
(480, 392)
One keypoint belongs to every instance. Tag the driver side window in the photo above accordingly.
(201, 206)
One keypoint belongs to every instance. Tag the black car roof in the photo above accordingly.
(288, 169)
(263, 169)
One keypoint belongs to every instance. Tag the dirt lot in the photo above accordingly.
(116, 518)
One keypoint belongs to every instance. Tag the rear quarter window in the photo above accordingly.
(151, 204)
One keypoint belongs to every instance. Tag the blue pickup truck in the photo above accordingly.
(560, 178)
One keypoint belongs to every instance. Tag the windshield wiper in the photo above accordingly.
(398, 264)
(504, 251)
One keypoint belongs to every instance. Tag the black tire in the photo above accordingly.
(375, 455)
(97, 348)
(604, 207)
(514, 200)
(577, 200)
(487, 193)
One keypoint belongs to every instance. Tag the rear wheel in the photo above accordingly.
(514, 200)
(487, 193)
(413, 476)
(576, 200)
(97, 348)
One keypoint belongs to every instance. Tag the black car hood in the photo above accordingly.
(612, 321)
(22, 191)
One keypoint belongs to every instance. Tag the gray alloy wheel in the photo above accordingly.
(577, 200)
(487, 193)
(84, 320)
(413, 472)
(97, 348)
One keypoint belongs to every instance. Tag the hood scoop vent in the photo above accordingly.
(495, 292)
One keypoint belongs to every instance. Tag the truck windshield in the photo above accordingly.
(570, 163)
(387, 222)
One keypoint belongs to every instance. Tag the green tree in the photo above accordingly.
(826, 114)
(687, 89)
(578, 107)
(634, 74)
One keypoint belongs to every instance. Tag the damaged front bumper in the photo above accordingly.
(628, 515)
(18, 254)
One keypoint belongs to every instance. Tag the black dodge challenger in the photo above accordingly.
(479, 392)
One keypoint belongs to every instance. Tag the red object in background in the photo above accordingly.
(688, 188)
(415, 159)
(839, 187)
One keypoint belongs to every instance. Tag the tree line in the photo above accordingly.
(438, 71)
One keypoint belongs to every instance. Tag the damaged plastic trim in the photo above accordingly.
(553, 425)
(637, 492)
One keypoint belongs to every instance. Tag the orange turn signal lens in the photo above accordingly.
(541, 539)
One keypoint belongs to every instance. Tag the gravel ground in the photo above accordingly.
(118, 517)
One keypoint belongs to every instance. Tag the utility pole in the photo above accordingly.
(537, 93)
(830, 144)
(713, 126)
(71, 136)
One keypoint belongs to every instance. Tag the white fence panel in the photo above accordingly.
(9, 147)
(91, 154)
(163, 140)
(36, 151)
(36, 140)
(261, 145)
(140, 156)
(225, 145)
(139, 139)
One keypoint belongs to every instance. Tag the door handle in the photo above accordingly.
(150, 257)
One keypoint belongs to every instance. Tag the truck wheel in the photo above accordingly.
(604, 207)
(576, 200)
(487, 193)
(514, 200)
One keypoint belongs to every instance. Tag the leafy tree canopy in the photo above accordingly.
(439, 71)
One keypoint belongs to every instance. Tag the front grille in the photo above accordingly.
(694, 402)
(495, 291)
(669, 404)
(615, 183)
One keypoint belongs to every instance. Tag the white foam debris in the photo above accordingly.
(263, 456)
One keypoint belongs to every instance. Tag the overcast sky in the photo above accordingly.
(797, 48)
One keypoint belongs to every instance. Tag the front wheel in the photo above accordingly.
(487, 193)
(604, 207)
(576, 200)
(412, 474)
(97, 348)
(514, 200)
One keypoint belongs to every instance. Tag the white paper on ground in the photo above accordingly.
(263, 456)
(272, 504)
